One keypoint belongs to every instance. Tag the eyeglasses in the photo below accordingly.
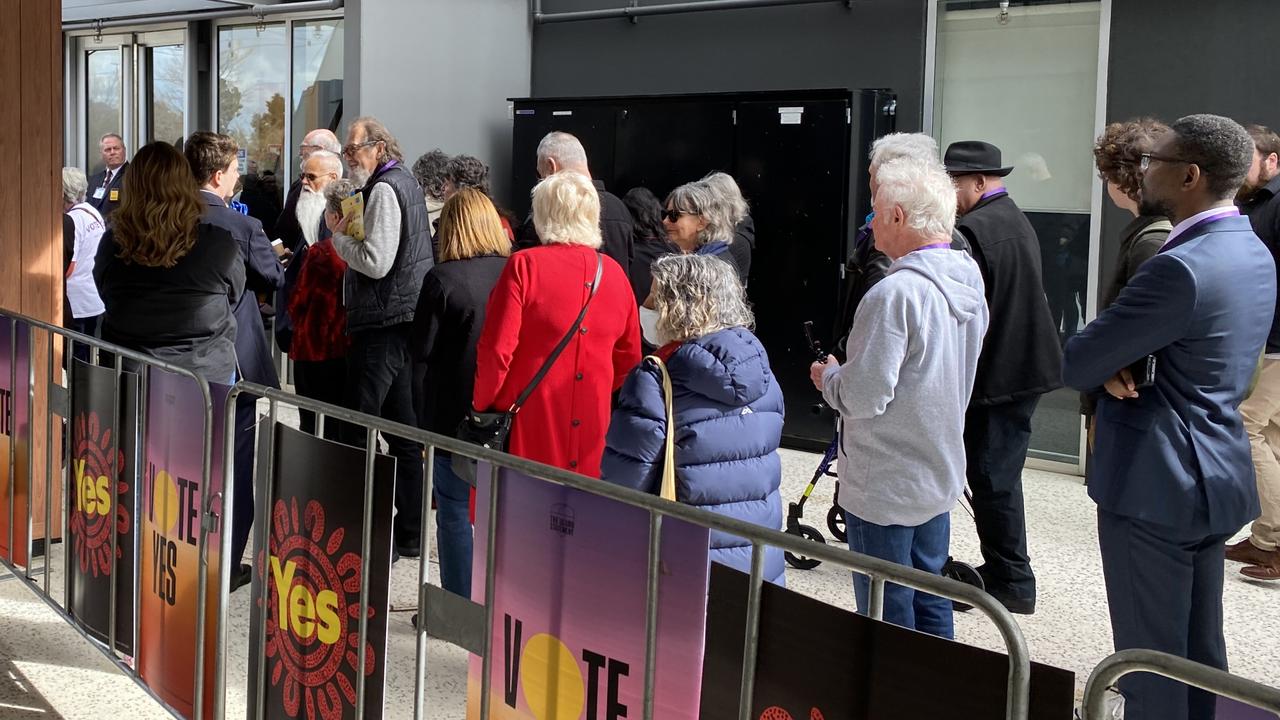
(673, 215)
(353, 148)
(312, 177)
(1145, 162)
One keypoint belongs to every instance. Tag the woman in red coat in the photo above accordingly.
(538, 296)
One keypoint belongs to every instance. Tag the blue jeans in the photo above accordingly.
(453, 527)
(923, 547)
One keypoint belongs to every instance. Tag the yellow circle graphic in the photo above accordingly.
(164, 502)
(551, 680)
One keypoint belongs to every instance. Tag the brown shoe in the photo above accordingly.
(1263, 572)
(1249, 554)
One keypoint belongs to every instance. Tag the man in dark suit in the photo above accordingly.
(1021, 360)
(1173, 477)
(214, 163)
(105, 187)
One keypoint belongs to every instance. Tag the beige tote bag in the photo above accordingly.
(669, 451)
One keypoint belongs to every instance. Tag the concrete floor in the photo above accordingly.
(50, 671)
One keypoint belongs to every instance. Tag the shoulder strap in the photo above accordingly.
(564, 342)
(668, 488)
(1163, 226)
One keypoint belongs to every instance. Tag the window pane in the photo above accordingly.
(167, 94)
(317, 79)
(105, 104)
(1029, 87)
(252, 85)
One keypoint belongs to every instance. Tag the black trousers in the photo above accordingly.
(326, 381)
(242, 475)
(995, 443)
(380, 382)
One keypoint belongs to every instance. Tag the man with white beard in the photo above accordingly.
(289, 231)
(381, 287)
(318, 170)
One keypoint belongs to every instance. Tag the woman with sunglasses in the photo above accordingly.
(700, 221)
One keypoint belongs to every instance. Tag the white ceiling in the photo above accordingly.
(81, 10)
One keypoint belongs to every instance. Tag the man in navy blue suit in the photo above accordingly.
(1173, 476)
(214, 162)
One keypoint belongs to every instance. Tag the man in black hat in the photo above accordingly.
(1021, 360)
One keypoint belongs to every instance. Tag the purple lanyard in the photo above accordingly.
(1187, 234)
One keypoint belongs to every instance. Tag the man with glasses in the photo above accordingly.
(1021, 360)
(215, 163)
(105, 187)
(384, 277)
(1172, 475)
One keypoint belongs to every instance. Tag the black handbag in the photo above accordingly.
(490, 429)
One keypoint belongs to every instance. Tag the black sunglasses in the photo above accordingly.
(673, 215)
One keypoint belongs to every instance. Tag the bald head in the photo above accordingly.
(319, 139)
(561, 151)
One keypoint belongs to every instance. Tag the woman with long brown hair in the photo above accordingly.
(446, 328)
(167, 280)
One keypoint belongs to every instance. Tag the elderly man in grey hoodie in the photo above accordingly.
(912, 355)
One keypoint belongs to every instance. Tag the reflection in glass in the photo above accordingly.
(252, 84)
(105, 103)
(166, 93)
(317, 79)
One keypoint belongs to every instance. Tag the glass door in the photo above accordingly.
(131, 84)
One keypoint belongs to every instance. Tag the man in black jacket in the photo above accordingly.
(1259, 198)
(105, 187)
(562, 151)
(214, 163)
(1021, 360)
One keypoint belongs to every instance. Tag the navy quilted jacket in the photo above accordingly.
(728, 423)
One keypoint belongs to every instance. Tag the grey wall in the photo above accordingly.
(1171, 58)
(438, 72)
(877, 43)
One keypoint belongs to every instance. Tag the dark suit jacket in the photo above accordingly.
(263, 273)
(1178, 455)
(105, 204)
(286, 226)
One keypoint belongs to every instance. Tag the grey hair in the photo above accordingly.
(329, 161)
(923, 190)
(337, 191)
(111, 135)
(375, 131)
(565, 148)
(74, 185)
(730, 194)
(325, 139)
(903, 145)
(1221, 148)
(696, 295)
(465, 171)
(698, 198)
(429, 172)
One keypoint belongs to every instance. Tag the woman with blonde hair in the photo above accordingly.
(533, 310)
(726, 408)
(166, 279)
(473, 250)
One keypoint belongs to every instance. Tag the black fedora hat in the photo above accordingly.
(972, 157)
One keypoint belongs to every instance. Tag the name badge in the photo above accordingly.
(115, 196)
(97, 194)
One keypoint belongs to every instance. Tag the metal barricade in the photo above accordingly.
(59, 400)
(879, 571)
(1173, 667)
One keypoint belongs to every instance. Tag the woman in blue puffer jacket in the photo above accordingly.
(728, 408)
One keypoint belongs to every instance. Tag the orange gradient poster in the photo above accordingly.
(173, 499)
(15, 440)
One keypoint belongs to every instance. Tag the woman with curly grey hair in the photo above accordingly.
(727, 407)
(701, 220)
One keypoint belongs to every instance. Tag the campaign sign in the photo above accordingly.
(569, 606)
(104, 444)
(15, 440)
(174, 497)
(310, 580)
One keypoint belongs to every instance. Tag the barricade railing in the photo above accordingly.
(1216, 681)
(879, 571)
(58, 400)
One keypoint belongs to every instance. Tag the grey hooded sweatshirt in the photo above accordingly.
(912, 355)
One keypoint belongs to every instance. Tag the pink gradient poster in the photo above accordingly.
(569, 606)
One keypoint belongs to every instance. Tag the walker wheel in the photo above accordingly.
(801, 562)
(965, 573)
(835, 523)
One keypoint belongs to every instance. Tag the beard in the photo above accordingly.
(309, 211)
(358, 175)
(1249, 189)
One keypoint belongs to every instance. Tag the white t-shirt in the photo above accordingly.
(82, 292)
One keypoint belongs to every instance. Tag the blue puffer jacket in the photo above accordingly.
(728, 418)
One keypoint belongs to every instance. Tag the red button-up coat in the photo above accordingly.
(537, 298)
